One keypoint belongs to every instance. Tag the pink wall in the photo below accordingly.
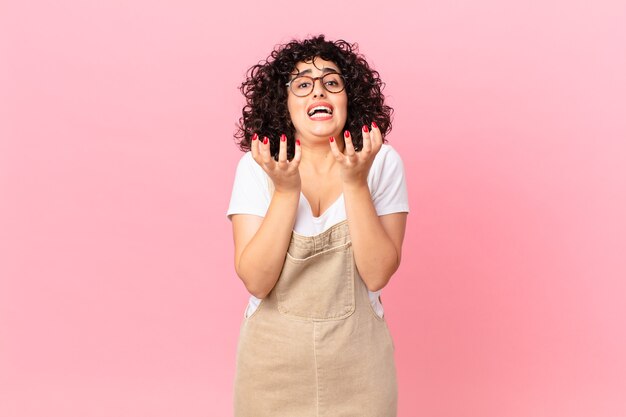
(117, 291)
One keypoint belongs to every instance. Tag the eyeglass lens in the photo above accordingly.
(303, 85)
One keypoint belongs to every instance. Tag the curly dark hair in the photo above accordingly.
(266, 112)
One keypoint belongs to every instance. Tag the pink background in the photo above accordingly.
(118, 295)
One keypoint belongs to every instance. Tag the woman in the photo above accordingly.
(318, 210)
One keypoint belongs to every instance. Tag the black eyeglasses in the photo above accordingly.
(302, 85)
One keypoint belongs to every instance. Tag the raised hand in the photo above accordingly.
(283, 173)
(355, 166)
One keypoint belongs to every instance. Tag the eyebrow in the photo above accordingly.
(325, 70)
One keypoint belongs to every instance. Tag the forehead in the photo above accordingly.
(316, 65)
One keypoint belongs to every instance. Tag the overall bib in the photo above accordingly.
(314, 347)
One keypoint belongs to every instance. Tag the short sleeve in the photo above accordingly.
(387, 182)
(250, 193)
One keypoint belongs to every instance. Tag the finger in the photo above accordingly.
(297, 154)
(335, 150)
(266, 157)
(367, 141)
(349, 148)
(376, 137)
(282, 150)
(365, 132)
(254, 146)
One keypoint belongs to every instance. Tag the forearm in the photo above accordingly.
(262, 260)
(375, 254)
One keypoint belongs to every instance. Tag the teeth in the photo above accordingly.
(319, 115)
(323, 108)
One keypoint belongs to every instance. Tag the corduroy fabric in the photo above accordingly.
(314, 347)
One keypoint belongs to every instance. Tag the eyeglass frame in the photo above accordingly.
(313, 79)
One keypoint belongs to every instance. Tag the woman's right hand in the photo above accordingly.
(283, 173)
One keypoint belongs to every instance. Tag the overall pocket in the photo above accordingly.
(318, 287)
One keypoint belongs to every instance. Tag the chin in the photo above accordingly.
(325, 131)
(325, 134)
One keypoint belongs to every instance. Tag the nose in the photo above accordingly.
(318, 88)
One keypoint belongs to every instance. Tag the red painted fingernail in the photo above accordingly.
(265, 140)
(332, 139)
(283, 137)
(346, 134)
(298, 142)
(374, 125)
(255, 136)
(365, 129)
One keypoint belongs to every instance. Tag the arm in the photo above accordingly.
(262, 242)
(376, 240)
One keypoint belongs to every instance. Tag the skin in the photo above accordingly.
(324, 166)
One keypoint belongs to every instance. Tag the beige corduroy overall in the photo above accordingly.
(314, 347)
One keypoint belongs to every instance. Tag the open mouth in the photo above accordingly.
(320, 112)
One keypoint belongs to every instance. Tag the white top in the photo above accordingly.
(387, 186)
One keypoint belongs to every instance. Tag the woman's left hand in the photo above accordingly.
(355, 166)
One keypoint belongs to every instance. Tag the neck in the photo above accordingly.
(316, 153)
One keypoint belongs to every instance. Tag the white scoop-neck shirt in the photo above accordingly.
(386, 181)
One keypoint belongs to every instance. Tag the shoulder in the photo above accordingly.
(247, 166)
(250, 194)
(387, 182)
(247, 160)
(388, 151)
(250, 175)
(386, 158)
